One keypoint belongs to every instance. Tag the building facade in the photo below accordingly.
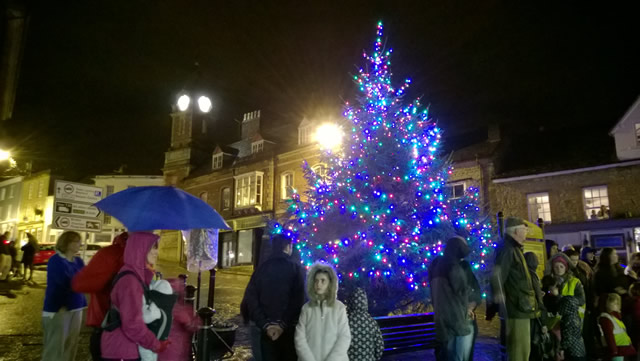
(112, 184)
(36, 207)
(598, 206)
(247, 182)
(10, 195)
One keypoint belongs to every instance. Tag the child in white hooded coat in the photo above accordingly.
(322, 333)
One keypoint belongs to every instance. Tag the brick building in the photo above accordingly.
(584, 197)
(247, 181)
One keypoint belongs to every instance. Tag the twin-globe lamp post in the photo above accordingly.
(203, 101)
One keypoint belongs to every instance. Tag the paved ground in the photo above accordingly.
(20, 317)
(21, 332)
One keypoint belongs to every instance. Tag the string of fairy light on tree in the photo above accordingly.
(382, 211)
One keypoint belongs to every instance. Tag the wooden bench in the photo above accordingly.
(407, 333)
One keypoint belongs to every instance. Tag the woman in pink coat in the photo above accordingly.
(140, 255)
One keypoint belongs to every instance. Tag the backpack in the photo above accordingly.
(163, 301)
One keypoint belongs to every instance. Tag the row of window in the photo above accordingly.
(9, 210)
(595, 202)
(3, 192)
(216, 159)
(249, 188)
(40, 187)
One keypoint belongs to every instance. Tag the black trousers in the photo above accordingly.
(94, 344)
(283, 349)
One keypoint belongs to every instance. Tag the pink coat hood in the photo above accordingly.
(127, 297)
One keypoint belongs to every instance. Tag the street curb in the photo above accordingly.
(235, 273)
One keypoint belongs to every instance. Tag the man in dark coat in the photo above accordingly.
(273, 300)
(451, 292)
(513, 290)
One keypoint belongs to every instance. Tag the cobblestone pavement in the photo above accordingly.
(21, 332)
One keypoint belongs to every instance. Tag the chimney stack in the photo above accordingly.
(250, 124)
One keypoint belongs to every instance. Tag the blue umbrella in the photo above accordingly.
(153, 207)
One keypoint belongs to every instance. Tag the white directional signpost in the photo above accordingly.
(73, 207)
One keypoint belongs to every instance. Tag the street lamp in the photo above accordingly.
(4, 155)
(329, 136)
(204, 103)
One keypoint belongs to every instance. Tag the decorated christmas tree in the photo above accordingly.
(380, 210)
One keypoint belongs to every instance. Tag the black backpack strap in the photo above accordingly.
(145, 288)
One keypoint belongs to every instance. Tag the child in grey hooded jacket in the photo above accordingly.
(366, 338)
(322, 332)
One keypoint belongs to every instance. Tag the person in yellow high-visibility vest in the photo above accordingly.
(613, 331)
(569, 285)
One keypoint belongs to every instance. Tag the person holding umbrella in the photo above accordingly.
(140, 255)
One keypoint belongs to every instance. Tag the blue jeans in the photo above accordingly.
(458, 348)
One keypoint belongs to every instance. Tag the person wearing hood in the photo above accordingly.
(62, 309)
(273, 300)
(366, 338)
(95, 279)
(140, 255)
(569, 285)
(185, 324)
(323, 330)
(512, 289)
(588, 255)
(452, 305)
(572, 343)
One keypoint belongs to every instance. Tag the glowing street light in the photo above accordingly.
(4, 155)
(204, 103)
(183, 102)
(329, 136)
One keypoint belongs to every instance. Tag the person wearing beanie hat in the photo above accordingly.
(513, 290)
(569, 284)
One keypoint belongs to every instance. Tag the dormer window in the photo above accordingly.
(257, 146)
(304, 135)
(216, 161)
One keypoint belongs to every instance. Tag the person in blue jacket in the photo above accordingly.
(62, 311)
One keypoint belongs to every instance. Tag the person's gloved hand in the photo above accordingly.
(163, 346)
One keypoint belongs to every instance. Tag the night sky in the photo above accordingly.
(98, 77)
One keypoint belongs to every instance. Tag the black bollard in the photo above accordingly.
(212, 287)
(190, 295)
(203, 352)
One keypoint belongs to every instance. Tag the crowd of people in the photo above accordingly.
(133, 315)
(10, 265)
(586, 307)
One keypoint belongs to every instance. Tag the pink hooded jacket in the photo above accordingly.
(185, 324)
(127, 297)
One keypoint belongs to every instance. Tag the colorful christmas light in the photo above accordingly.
(383, 211)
